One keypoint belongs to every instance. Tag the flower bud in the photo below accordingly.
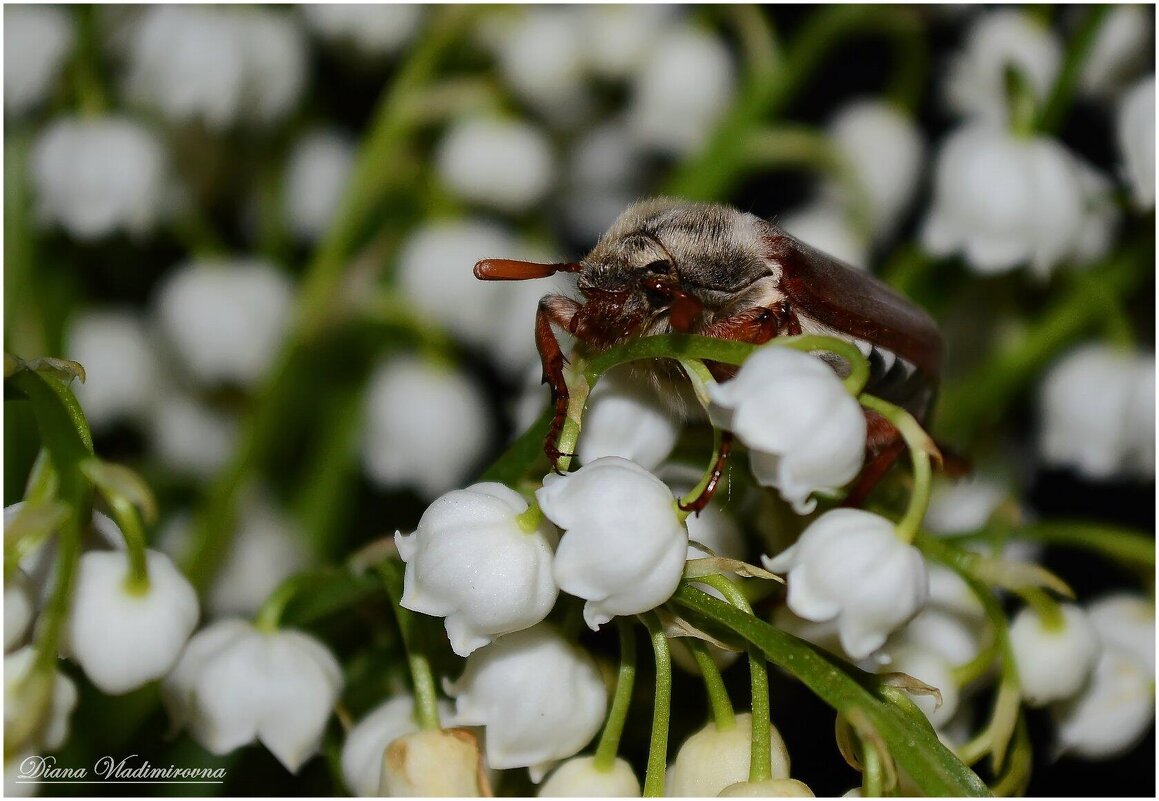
(770, 788)
(625, 418)
(289, 682)
(850, 566)
(580, 778)
(623, 548)
(711, 760)
(442, 763)
(539, 698)
(1053, 663)
(470, 562)
(805, 433)
(21, 702)
(362, 753)
(1111, 713)
(123, 635)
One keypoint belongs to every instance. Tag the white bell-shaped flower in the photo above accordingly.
(372, 29)
(235, 684)
(999, 41)
(963, 506)
(886, 151)
(617, 38)
(96, 175)
(623, 547)
(18, 704)
(122, 635)
(804, 432)
(225, 319)
(1136, 136)
(19, 608)
(440, 763)
(928, 667)
(685, 84)
(1114, 710)
(317, 173)
(540, 698)
(366, 743)
(625, 418)
(426, 426)
(189, 437)
(471, 562)
(1053, 662)
(579, 777)
(121, 370)
(826, 226)
(37, 40)
(1120, 50)
(504, 164)
(1126, 621)
(952, 637)
(1002, 201)
(850, 566)
(1097, 407)
(711, 760)
(541, 57)
(770, 788)
(276, 62)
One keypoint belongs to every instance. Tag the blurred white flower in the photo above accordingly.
(1126, 622)
(686, 83)
(1003, 201)
(625, 418)
(932, 668)
(188, 437)
(373, 29)
(886, 151)
(365, 744)
(435, 274)
(579, 777)
(965, 505)
(540, 699)
(1053, 663)
(804, 432)
(711, 760)
(623, 547)
(426, 426)
(96, 175)
(504, 164)
(617, 38)
(770, 788)
(1097, 411)
(1120, 49)
(1101, 217)
(123, 635)
(18, 703)
(225, 319)
(1111, 713)
(235, 684)
(121, 371)
(37, 40)
(317, 172)
(997, 41)
(602, 173)
(827, 227)
(438, 763)
(850, 566)
(276, 62)
(541, 57)
(471, 562)
(19, 608)
(938, 631)
(1135, 127)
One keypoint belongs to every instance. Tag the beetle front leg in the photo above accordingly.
(562, 312)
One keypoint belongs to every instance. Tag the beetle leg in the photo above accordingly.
(709, 490)
(884, 444)
(561, 311)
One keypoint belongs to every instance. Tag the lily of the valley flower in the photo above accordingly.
(711, 760)
(19, 608)
(37, 40)
(540, 699)
(850, 566)
(771, 788)
(440, 763)
(125, 635)
(1053, 661)
(580, 777)
(121, 367)
(317, 173)
(827, 225)
(1136, 135)
(18, 702)
(507, 165)
(805, 433)
(366, 743)
(1112, 712)
(625, 418)
(371, 29)
(1126, 621)
(1119, 51)
(235, 684)
(471, 562)
(624, 546)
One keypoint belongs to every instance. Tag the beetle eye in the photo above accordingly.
(660, 267)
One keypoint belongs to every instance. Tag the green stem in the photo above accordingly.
(578, 390)
(269, 617)
(977, 667)
(530, 518)
(758, 40)
(661, 710)
(722, 713)
(760, 760)
(701, 485)
(1066, 84)
(872, 770)
(90, 94)
(920, 446)
(609, 744)
(1048, 610)
(129, 521)
(423, 679)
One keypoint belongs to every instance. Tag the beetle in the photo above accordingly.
(668, 265)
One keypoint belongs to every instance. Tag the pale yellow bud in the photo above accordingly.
(711, 760)
(433, 764)
(770, 788)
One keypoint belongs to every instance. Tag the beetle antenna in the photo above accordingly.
(515, 270)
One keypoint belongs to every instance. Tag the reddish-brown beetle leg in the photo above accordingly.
(561, 311)
(884, 444)
(702, 500)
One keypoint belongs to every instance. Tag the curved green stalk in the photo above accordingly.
(609, 744)
(1066, 84)
(722, 713)
(871, 783)
(661, 710)
(920, 447)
